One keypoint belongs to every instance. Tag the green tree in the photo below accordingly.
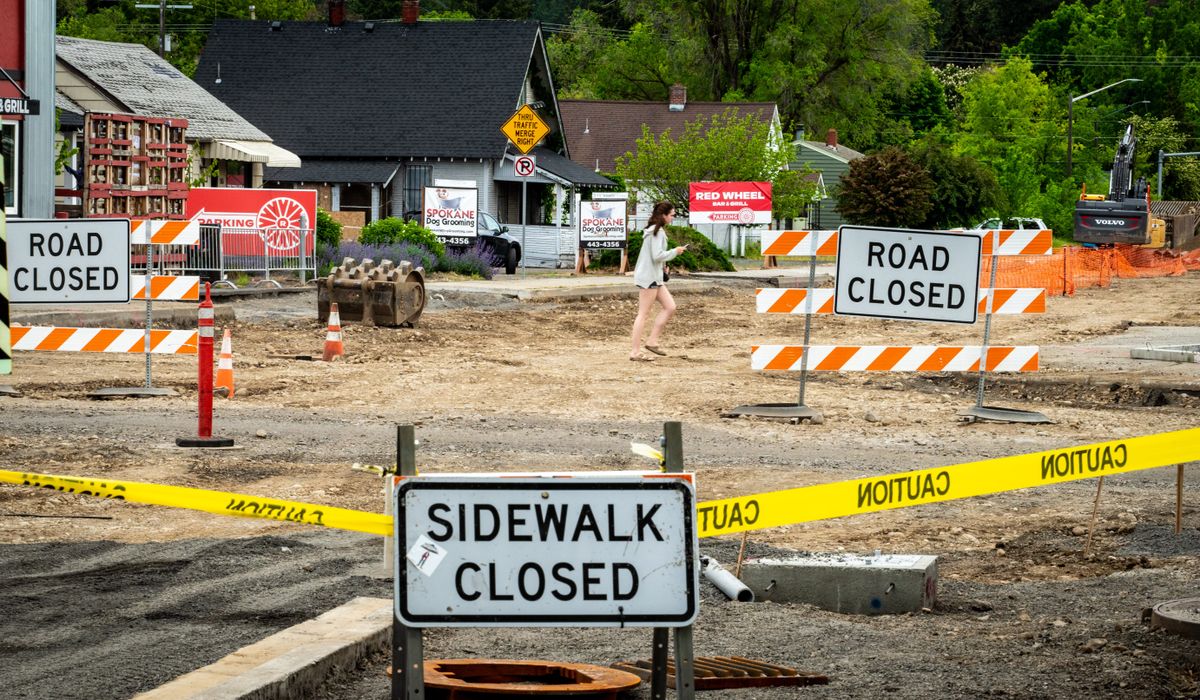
(727, 148)
(1011, 125)
(593, 62)
(1181, 175)
(886, 189)
(963, 188)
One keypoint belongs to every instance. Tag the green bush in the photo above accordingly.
(392, 230)
(701, 256)
(329, 231)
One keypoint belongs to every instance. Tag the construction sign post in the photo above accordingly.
(585, 550)
(525, 129)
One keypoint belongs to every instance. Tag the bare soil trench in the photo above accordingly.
(132, 596)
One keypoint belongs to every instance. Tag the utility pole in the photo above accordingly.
(162, 8)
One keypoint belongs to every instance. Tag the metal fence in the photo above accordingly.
(223, 251)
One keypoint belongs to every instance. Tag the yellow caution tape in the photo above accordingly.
(730, 515)
(826, 501)
(218, 502)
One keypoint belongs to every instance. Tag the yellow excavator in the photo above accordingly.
(1124, 215)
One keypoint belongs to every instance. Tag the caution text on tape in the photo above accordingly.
(835, 500)
(219, 502)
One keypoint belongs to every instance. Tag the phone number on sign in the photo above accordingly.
(457, 240)
(603, 244)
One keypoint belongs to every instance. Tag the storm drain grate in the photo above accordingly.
(723, 672)
(465, 679)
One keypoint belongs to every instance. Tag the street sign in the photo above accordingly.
(904, 274)
(587, 550)
(525, 129)
(58, 261)
(525, 166)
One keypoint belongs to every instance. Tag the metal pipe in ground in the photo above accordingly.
(728, 584)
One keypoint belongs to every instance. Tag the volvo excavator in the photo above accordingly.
(1124, 215)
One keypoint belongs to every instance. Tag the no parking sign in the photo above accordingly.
(525, 166)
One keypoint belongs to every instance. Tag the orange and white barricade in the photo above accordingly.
(771, 300)
(884, 358)
(162, 342)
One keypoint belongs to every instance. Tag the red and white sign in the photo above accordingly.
(602, 221)
(525, 166)
(257, 222)
(742, 203)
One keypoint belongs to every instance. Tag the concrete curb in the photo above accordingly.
(174, 316)
(291, 663)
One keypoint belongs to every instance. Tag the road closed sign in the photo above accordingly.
(59, 261)
(578, 550)
(904, 274)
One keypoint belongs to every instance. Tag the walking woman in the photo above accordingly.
(652, 285)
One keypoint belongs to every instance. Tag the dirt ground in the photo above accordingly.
(104, 599)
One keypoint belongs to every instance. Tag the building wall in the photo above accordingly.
(832, 170)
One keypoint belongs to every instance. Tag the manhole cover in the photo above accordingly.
(479, 678)
(1179, 616)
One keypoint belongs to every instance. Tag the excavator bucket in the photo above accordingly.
(385, 294)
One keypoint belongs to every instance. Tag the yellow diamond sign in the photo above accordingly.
(525, 128)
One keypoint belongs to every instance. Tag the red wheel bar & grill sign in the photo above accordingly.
(742, 203)
(257, 222)
(549, 550)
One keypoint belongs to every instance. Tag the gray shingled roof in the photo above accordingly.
(149, 86)
(395, 90)
(71, 114)
(311, 170)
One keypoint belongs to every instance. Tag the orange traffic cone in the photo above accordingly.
(333, 337)
(225, 366)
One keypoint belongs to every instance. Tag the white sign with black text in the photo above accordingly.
(57, 261)
(602, 221)
(450, 213)
(574, 549)
(905, 274)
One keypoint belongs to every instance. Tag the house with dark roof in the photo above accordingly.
(600, 131)
(103, 77)
(378, 111)
(832, 161)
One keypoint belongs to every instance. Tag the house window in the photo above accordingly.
(9, 148)
(416, 179)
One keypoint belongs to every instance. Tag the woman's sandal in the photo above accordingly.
(640, 358)
(656, 350)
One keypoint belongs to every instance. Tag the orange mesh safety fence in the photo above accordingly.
(1073, 267)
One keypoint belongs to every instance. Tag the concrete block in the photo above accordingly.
(1168, 353)
(847, 583)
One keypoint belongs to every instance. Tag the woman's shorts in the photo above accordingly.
(652, 286)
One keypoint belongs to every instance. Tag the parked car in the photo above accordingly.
(1012, 223)
(504, 248)
(495, 238)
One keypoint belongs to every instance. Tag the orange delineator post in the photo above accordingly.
(204, 432)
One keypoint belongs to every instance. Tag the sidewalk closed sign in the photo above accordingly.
(58, 261)
(904, 274)
(576, 550)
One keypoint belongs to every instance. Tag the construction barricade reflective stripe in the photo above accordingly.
(103, 340)
(882, 358)
(826, 501)
(799, 243)
(1021, 242)
(771, 300)
(165, 287)
(164, 232)
(218, 502)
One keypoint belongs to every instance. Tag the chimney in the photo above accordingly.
(410, 11)
(678, 97)
(337, 12)
(831, 139)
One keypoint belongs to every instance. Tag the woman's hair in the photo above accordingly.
(658, 217)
